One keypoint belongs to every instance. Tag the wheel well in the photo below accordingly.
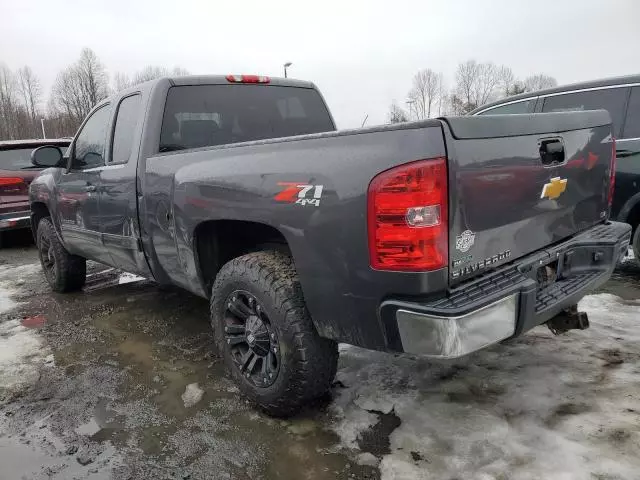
(218, 241)
(38, 211)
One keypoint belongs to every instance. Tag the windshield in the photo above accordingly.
(206, 115)
(19, 158)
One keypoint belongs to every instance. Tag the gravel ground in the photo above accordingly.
(121, 381)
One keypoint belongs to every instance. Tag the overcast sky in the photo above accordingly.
(361, 54)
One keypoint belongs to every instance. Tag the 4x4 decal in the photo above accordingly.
(301, 194)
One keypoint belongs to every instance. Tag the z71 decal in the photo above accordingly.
(301, 194)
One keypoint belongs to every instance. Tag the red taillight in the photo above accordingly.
(407, 217)
(248, 79)
(612, 173)
(6, 181)
(12, 186)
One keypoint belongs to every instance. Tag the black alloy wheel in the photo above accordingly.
(47, 257)
(252, 342)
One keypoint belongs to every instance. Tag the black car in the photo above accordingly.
(621, 97)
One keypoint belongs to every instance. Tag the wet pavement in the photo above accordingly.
(122, 381)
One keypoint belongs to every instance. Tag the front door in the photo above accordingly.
(78, 189)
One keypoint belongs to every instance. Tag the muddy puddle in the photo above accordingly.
(135, 390)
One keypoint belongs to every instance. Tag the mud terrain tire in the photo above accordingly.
(64, 272)
(307, 362)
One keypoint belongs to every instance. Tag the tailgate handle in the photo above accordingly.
(551, 151)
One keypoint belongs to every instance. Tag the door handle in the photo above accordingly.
(551, 151)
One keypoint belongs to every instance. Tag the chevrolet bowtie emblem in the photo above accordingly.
(554, 188)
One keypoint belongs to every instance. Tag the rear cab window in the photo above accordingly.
(125, 128)
(611, 99)
(208, 115)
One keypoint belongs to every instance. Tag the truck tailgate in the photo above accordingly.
(519, 183)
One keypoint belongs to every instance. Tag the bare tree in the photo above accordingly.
(79, 87)
(92, 76)
(507, 81)
(15, 122)
(457, 106)
(539, 82)
(7, 99)
(425, 92)
(477, 84)
(441, 96)
(150, 72)
(180, 72)
(121, 81)
(397, 114)
(31, 95)
(30, 89)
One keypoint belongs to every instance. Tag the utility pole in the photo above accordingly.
(44, 135)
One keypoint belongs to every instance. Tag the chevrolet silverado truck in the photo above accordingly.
(434, 238)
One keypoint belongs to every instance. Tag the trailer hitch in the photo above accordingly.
(569, 319)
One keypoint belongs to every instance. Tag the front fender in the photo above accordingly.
(43, 190)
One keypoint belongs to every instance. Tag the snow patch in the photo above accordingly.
(367, 459)
(192, 395)
(22, 350)
(128, 278)
(539, 406)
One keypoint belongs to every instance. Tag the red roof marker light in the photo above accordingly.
(248, 79)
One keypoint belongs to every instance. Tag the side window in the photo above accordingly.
(632, 124)
(89, 148)
(511, 109)
(125, 129)
(611, 99)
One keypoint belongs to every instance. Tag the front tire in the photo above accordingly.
(264, 332)
(64, 272)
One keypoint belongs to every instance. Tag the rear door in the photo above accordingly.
(77, 194)
(520, 183)
(118, 192)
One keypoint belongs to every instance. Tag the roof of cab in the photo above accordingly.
(222, 80)
(624, 80)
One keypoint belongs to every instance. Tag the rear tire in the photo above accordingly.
(265, 334)
(64, 272)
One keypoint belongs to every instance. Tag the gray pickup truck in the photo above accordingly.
(434, 238)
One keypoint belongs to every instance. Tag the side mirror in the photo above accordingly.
(47, 156)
